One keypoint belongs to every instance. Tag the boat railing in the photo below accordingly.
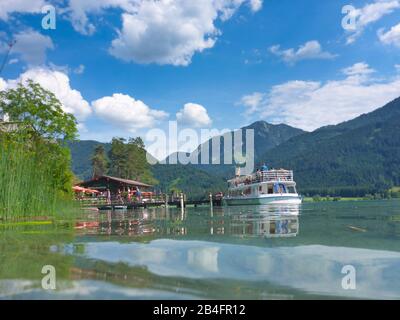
(274, 175)
(264, 176)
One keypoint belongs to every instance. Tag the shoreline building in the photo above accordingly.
(114, 184)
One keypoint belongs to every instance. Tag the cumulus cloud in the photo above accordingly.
(78, 12)
(8, 7)
(80, 69)
(307, 51)
(124, 111)
(3, 84)
(310, 104)
(397, 67)
(369, 14)
(256, 5)
(160, 31)
(32, 46)
(252, 101)
(360, 68)
(58, 83)
(391, 37)
(193, 115)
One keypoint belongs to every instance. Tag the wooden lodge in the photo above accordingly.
(114, 184)
(123, 194)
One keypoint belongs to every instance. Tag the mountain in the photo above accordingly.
(350, 159)
(81, 154)
(187, 178)
(194, 179)
(266, 136)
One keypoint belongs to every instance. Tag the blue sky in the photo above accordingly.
(124, 67)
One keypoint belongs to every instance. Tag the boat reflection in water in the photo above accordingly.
(270, 221)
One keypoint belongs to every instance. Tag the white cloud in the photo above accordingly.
(80, 69)
(252, 102)
(359, 72)
(360, 68)
(124, 111)
(78, 11)
(58, 83)
(3, 84)
(193, 115)
(256, 5)
(369, 14)
(391, 37)
(160, 31)
(32, 46)
(8, 7)
(307, 51)
(309, 105)
(397, 67)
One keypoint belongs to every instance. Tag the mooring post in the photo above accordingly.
(182, 204)
(182, 201)
(211, 205)
(166, 200)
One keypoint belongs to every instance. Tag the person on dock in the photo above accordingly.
(138, 195)
(108, 195)
(119, 197)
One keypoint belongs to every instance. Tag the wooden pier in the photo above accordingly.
(177, 202)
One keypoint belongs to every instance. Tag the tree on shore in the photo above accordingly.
(39, 109)
(128, 160)
(99, 162)
(35, 164)
(118, 158)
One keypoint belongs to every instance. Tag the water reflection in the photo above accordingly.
(262, 221)
(227, 253)
(310, 268)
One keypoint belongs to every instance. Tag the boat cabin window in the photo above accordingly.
(270, 190)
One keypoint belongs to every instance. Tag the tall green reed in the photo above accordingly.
(29, 178)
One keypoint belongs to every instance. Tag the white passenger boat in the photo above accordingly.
(275, 186)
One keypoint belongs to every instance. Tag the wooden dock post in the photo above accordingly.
(182, 202)
(211, 205)
(166, 200)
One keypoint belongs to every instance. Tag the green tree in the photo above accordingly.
(118, 158)
(128, 160)
(35, 163)
(99, 162)
(38, 109)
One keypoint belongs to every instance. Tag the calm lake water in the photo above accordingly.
(230, 253)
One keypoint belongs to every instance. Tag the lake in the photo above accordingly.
(277, 252)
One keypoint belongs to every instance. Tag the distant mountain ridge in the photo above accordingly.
(190, 177)
(81, 154)
(266, 136)
(352, 158)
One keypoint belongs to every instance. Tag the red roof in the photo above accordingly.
(125, 181)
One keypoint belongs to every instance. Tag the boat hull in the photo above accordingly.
(284, 199)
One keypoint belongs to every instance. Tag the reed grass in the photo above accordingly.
(28, 180)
